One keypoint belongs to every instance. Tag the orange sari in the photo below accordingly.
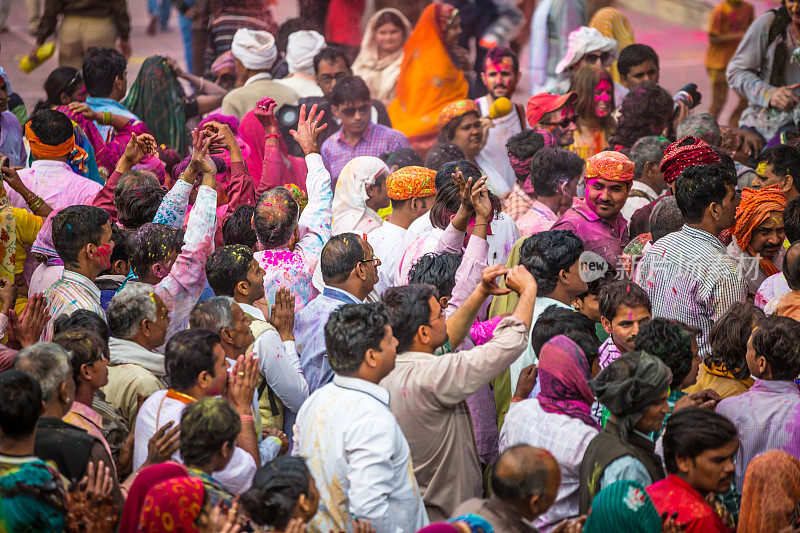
(429, 80)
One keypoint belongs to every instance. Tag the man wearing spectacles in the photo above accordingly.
(554, 114)
(358, 136)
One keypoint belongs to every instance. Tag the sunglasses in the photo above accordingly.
(563, 123)
(351, 111)
(594, 57)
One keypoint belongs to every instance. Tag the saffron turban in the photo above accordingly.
(685, 153)
(455, 110)
(411, 182)
(754, 208)
(610, 165)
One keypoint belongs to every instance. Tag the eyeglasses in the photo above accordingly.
(375, 261)
(564, 123)
(594, 57)
(327, 78)
(350, 111)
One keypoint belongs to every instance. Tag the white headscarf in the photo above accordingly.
(301, 48)
(582, 41)
(254, 48)
(350, 211)
(380, 74)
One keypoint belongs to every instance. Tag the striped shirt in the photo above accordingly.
(766, 417)
(377, 139)
(72, 292)
(689, 277)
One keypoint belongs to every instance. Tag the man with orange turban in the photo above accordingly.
(758, 235)
(597, 219)
(412, 191)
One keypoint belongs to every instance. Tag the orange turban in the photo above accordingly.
(612, 166)
(411, 182)
(68, 148)
(457, 109)
(753, 210)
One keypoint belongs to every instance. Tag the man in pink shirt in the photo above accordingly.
(52, 143)
(554, 175)
(597, 219)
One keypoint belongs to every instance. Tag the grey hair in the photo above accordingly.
(700, 125)
(213, 314)
(666, 218)
(648, 149)
(129, 308)
(47, 363)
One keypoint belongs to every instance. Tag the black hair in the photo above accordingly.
(150, 244)
(82, 319)
(441, 154)
(206, 425)
(448, 131)
(330, 54)
(289, 27)
(448, 198)
(350, 89)
(51, 127)
(784, 160)
(277, 486)
(404, 157)
(670, 341)
(275, 217)
(546, 254)
(340, 255)
(579, 328)
(351, 330)
(238, 227)
(729, 336)
(84, 347)
(62, 80)
(551, 166)
(438, 270)
(699, 186)
(101, 67)
(633, 55)
(137, 206)
(189, 352)
(594, 287)
(76, 226)
(691, 431)
(617, 293)
(499, 52)
(791, 266)
(226, 267)
(521, 484)
(522, 146)
(21, 398)
(444, 174)
(791, 219)
(409, 308)
(119, 236)
(644, 111)
(775, 340)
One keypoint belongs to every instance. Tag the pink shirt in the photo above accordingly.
(603, 237)
(536, 219)
(56, 184)
(82, 416)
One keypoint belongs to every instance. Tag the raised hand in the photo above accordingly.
(200, 162)
(520, 280)
(489, 285)
(242, 382)
(225, 520)
(97, 483)
(139, 146)
(164, 443)
(265, 113)
(29, 325)
(308, 130)
(281, 315)
(480, 200)
(464, 189)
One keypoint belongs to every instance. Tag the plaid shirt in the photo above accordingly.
(72, 292)
(689, 277)
(377, 139)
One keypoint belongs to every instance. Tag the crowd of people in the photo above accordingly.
(335, 276)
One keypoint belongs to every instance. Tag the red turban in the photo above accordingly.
(685, 153)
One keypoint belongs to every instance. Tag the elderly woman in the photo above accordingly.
(635, 389)
(378, 62)
(360, 193)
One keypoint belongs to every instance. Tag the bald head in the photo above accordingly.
(526, 479)
(791, 266)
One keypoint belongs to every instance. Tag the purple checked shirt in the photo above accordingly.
(377, 139)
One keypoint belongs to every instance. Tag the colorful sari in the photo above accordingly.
(157, 98)
(564, 374)
(428, 81)
(771, 492)
(144, 481)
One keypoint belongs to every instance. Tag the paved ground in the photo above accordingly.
(681, 49)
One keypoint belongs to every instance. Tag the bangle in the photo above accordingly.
(481, 224)
(35, 204)
(246, 418)
(271, 135)
(107, 118)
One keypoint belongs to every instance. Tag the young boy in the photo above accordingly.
(588, 303)
(624, 307)
(729, 21)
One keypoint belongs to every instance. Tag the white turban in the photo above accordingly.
(254, 48)
(300, 51)
(582, 41)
